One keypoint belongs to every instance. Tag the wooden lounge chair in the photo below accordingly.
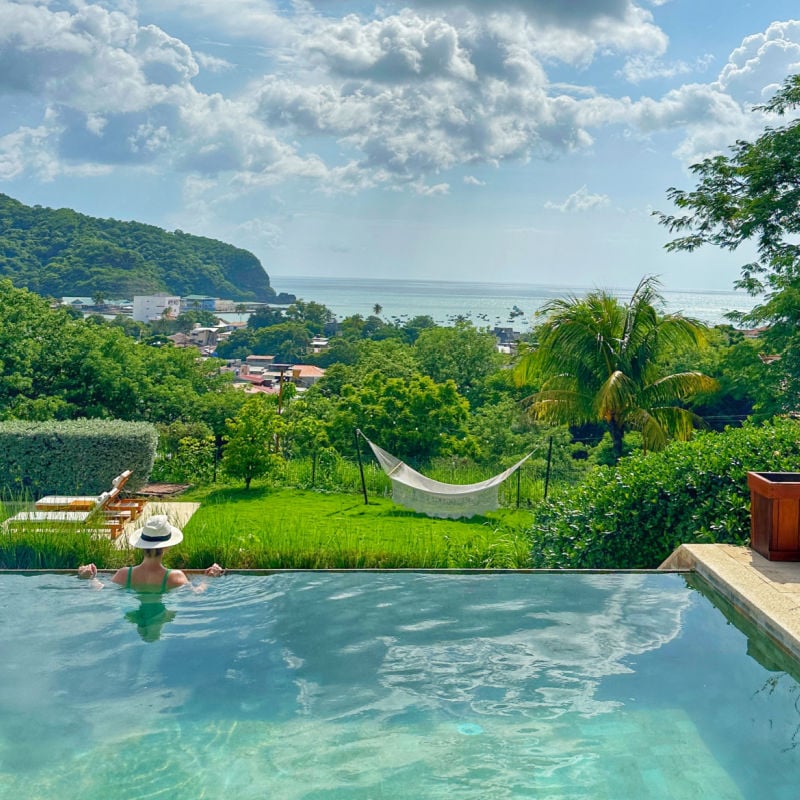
(80, 502)
(132, 506)
(63, 522)
(100, 518)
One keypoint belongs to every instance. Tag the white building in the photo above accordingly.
(149, 307)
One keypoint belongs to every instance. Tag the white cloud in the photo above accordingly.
(427, 190)
(644, 67)
(471, 180)
(579, 201)
(759, 65)
(399, 48)
(576, 13)
(351, 103)
(266, 234)
(212, 63)
(15, 154)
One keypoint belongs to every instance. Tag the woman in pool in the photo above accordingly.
(153, 537)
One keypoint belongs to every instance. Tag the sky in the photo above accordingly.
(507, 141)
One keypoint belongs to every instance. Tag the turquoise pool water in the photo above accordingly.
(391, 685)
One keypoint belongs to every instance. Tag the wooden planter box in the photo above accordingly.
(775, 514)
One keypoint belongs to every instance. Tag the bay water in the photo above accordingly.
(484, 304)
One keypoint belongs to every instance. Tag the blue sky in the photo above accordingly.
(515, 141)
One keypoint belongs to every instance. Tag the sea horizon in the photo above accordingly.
(485, 303)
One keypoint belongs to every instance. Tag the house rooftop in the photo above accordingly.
(308, 371)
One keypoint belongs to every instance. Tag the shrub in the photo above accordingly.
(73, 457)
(635, 514)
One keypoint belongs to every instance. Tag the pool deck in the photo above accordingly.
(177, 513)
(768, 592)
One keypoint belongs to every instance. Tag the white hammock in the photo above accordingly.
(434, 498)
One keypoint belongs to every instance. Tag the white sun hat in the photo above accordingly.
(156, 532)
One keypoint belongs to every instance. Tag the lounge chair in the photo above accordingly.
(66, 521)
(102, 517)
(55, 502)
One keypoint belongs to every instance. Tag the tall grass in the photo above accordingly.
(292, 529)
(343, 475)
(295, 528)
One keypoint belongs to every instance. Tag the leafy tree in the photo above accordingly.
(390, 357)
(597, 359)
(239, 344)
(265, 317)
(340, 351)
(131, 327)
(375, 328)
(461, 353)
(185, 453)
(35, 341)
(416, 419)
(313, 315)
(288, 342)
(52, 365)
(305, 437)
(411, 330)
(352, 326)
(748, 387)
(250, 452)
(188, 319)
(752, 194)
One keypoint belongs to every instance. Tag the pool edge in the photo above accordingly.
(767, 592)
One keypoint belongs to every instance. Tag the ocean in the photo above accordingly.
(484, 304)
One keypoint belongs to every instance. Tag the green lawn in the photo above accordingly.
(272, 528)
(277, 528)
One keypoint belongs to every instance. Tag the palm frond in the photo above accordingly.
(615, 397)
(678, 386)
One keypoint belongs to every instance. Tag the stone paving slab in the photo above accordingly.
(768, 592)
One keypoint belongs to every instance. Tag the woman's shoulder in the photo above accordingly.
(176, 578)
(121, 575)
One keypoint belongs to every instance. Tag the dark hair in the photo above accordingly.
(155, 551)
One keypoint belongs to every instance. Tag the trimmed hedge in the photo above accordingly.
(635, 514)
(73, 457)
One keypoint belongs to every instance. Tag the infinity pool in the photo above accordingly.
(391, 685)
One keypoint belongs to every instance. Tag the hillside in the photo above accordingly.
(58, 252)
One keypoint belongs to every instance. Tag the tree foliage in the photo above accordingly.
(61, 252)
(416, 419)
(635, 514)
(597, 360)
(54, 366)
(753, 194)
(460, 353)
(252, 437)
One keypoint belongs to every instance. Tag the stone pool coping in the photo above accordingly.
(767, 592)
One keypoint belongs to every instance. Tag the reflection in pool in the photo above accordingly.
(401, 685)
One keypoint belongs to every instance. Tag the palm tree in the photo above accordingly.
(598, 360)
(376, 309)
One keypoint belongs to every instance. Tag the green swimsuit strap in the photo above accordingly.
(128, 584)
(164, 582)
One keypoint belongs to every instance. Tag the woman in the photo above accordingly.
(153, 537)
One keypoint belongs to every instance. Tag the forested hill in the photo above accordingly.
(61, 253)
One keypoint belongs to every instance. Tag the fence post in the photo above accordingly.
(361, 467)
(547, 473)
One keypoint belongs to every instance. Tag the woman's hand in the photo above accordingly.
(214, 571)
(87, 571)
